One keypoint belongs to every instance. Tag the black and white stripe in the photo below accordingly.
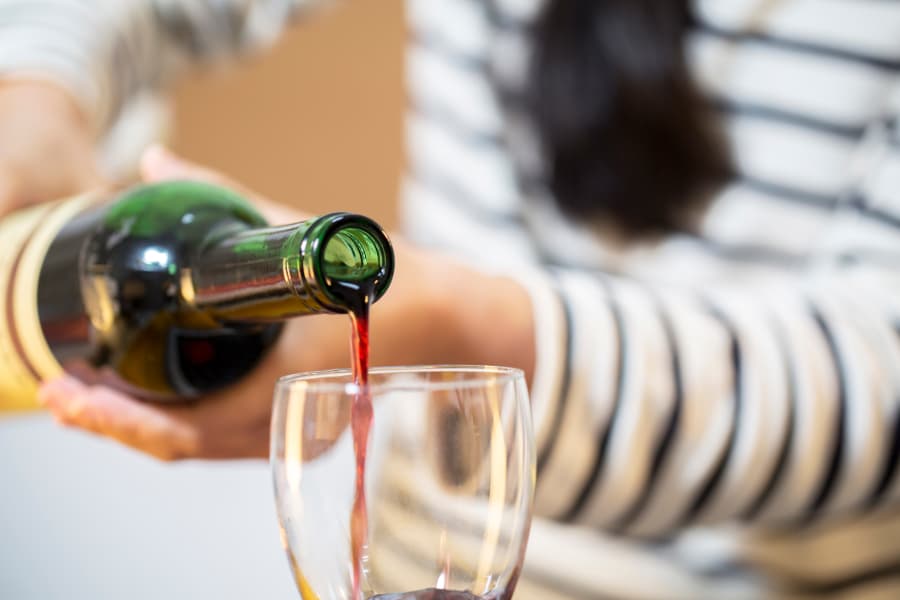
(774, 401)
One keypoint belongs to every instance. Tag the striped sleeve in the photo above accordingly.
(771, 402)
(107, 52)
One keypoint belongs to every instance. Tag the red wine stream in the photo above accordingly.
(360, 422)
(359, 298)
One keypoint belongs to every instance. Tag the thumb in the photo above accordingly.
(158, 163)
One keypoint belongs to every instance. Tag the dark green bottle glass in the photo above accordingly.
(176, 289)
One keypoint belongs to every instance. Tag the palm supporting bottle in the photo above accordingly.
(169, 291)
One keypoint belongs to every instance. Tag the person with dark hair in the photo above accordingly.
(700, 202)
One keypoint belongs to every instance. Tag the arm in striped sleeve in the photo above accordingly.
(774, 402)
(106, 52)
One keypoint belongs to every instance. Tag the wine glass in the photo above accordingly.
(448, 482)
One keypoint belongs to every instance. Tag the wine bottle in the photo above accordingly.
(168, 290)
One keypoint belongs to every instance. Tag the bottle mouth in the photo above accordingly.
(354, 260)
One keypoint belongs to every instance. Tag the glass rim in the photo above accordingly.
(325, 380)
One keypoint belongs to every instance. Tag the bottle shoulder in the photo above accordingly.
(187, 209)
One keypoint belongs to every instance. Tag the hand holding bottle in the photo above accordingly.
(232, 425)
(421, 320)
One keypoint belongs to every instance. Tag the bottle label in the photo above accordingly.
(25, 357)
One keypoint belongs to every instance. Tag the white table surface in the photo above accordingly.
(83, 518)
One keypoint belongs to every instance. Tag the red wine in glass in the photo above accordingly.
(429, 594)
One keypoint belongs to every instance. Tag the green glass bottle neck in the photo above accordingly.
(273, 273)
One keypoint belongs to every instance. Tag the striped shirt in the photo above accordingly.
(717, 415)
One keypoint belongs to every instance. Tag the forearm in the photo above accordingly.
(107, 53)
(46, 146)
(80, 46)
(441, 311)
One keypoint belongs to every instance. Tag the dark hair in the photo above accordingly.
(627, 136)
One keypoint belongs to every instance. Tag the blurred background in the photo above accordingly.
(315, 123)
